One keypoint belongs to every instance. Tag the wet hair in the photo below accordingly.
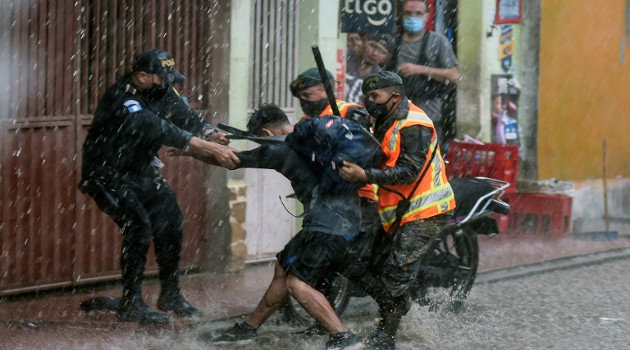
(424, 1)
(399, 89)
(268, 115)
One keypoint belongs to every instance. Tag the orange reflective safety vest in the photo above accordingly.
(369, 190)
(434, 194)
(343, 107)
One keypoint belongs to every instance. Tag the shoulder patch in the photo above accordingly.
(130, 89)
(132, 106)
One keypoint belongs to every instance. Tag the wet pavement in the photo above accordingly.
(54, 320)
(580, 308)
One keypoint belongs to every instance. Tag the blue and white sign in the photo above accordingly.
(368, 16)
(506, 47)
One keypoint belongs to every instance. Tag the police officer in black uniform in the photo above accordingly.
(136, 116)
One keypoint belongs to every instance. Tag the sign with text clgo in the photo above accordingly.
(368, 16)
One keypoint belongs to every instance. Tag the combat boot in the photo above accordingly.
(133, 309)
(380, 340)
(384, 337)
(172, 300)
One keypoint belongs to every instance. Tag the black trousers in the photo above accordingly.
(144, 207)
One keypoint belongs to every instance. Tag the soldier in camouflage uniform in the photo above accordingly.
(414, 198)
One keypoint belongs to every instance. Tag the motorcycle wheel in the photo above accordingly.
(466, 248)
(452, 269)
(337, 293)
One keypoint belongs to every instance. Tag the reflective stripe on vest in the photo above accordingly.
(369, 191)
(342, 106)
(434, 194)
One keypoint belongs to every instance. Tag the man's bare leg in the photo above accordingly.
(276, 294)
(315, 303)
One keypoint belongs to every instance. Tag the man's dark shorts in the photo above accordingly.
(313, 256)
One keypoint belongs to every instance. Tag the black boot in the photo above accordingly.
(384, 337)
(380, 340)
(133, 309)
(172, 300)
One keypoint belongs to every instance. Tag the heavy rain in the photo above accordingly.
(167, 163)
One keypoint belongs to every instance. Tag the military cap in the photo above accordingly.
(380, 80)
(306, 79)
(160, 63)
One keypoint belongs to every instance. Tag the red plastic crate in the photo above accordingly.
(542, 214)
(498, 161)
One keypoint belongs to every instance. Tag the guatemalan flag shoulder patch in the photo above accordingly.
(132, 106)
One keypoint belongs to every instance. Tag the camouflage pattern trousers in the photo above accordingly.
(408, 245)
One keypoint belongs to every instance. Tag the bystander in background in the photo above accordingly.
(426, 62)
(365, 61)
(354, 41)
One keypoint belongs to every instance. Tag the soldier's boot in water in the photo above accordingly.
(384, 337)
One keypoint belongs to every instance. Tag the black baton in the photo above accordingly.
(327, 85)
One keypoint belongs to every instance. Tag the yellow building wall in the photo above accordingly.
(584, 90)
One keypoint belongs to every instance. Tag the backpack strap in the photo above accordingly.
(422, 57)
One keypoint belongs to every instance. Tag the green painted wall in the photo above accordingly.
(469, 55)
(240, 63)
(319, 24)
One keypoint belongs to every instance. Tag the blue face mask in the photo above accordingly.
(413, 25)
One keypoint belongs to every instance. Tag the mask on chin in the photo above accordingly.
(313, 108)
(377, 110)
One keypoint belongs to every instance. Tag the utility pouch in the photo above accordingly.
(99, 192)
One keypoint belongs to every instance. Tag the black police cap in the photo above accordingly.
(160, 63)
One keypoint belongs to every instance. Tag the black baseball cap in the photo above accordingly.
(384, 39)
(160, 63)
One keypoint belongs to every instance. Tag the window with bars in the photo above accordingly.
(274, 48)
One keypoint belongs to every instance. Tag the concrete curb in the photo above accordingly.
(565, 263)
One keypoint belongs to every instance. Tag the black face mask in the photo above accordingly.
(377, 110)
(313, 108)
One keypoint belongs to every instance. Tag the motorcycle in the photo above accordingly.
(453, 258)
